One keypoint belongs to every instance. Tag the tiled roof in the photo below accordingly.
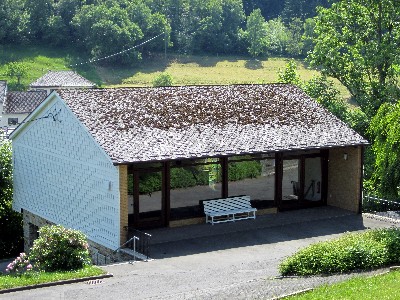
(3, 90)
(62, 79)
(23, 102)
(149, 124)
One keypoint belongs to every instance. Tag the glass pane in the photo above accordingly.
(254, 178)
(312, 186)
(290, 180)
(190, 184)
(150, 196)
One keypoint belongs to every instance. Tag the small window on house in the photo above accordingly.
(12, 121)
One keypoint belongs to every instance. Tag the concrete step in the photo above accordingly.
(135, 254)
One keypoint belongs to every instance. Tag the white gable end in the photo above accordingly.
(61, 174)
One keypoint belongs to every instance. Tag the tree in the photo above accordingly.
(357, 42)
(39, 12)
(17, 69)
(11, 235)
(385, 128)
(290, 75)
(13, 21)
(104, 30)
(277, 36)
(255, 33)
(295, 44)
(308, 37)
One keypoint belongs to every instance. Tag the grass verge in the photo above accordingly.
(10, 281)
(377, 287)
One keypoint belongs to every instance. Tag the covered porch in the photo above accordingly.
(170, 193)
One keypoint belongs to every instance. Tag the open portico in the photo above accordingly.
(109, 159)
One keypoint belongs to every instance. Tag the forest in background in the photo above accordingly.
(103, 27)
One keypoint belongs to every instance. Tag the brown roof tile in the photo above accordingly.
(62, 79)
(147, 124)
(23, 102)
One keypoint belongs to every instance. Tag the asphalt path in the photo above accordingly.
(225, 261)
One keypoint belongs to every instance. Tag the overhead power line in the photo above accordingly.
(118, 53)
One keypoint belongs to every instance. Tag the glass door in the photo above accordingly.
(148, 198)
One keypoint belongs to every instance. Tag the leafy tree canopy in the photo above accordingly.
(357, 42)
(385, 127)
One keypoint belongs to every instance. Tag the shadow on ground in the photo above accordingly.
(267, 229)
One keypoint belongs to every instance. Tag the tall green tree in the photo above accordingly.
(13, 21)
(357, 42)
(255, 33)
(40, 11)
(385, 127)
(277, 36)
(103, 30)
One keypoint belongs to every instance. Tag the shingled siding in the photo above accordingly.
(62, 175)
(344, 178)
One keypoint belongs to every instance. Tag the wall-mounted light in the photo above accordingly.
(345, 156)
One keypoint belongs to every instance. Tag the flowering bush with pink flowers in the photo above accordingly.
(60, 249)
(20, 265)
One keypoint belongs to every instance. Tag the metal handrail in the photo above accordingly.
(143, 246)
(128, 241)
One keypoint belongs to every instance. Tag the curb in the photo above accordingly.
(49, 284)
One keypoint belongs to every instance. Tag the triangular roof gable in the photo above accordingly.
(44, 110)
(62, 79)
(153, 124)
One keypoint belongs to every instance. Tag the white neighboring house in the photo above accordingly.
(17, 106)
(54, 80)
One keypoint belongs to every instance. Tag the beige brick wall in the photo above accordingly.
(123, 191)
(344, 178)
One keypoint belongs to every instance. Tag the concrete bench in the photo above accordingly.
(228, 209)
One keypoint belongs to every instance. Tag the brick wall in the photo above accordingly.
(63, 176)
(123, 191)
(344, 178)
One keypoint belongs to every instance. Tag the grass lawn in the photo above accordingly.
(185, 69)
(376, 287)
(8, 281)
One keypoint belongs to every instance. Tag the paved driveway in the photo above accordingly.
(225, 261)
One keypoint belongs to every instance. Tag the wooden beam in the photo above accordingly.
(224, 179)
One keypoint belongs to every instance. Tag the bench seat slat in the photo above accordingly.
(228, 209)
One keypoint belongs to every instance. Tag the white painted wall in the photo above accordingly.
(4, 119)
(62, 175)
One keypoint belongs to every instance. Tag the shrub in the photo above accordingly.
(352, 251)
(244, 169)
(60, 249)
(11, 233)
(163, 79)
(20, 265)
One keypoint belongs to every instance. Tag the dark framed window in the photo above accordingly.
(12, 121)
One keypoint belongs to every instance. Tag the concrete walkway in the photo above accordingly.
(225, 261)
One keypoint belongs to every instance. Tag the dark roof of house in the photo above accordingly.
(3, 90)
(62, 79)
(150, 124)
(23, 102)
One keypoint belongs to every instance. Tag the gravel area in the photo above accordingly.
(235, 262)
